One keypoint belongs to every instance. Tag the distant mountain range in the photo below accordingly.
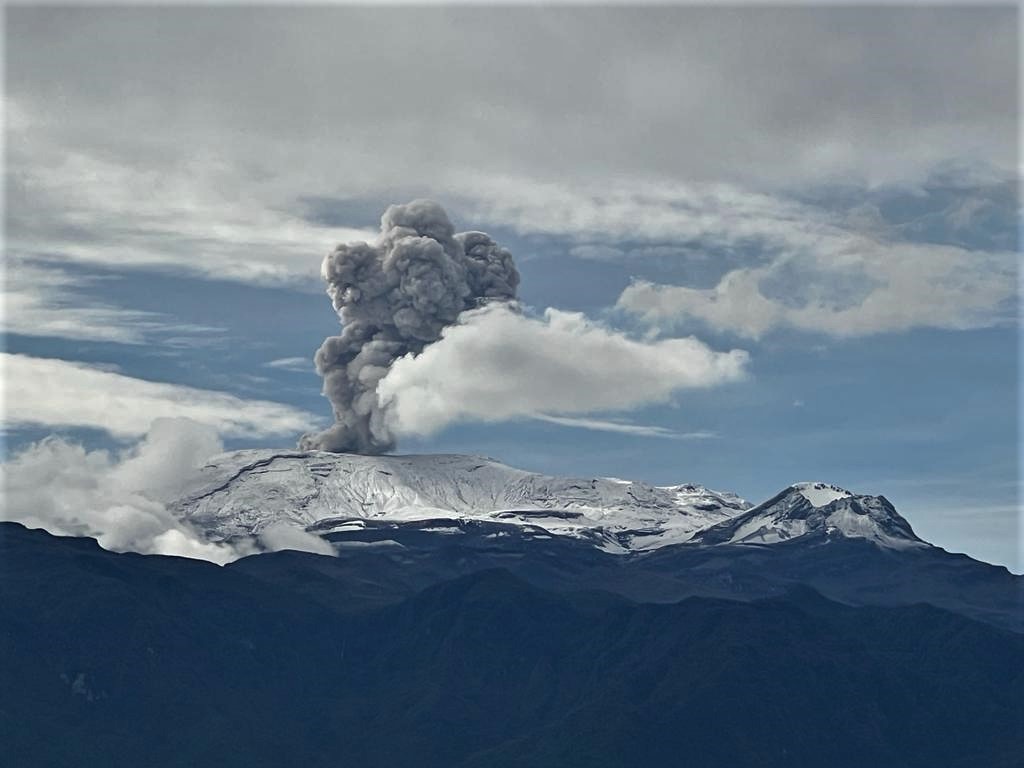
(479, 616)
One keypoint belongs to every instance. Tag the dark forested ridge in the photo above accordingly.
(123, 660)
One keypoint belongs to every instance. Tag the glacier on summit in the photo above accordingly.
(242, 493)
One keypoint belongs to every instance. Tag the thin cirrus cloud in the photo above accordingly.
(623, 427)
(97, 208)
(58, 393)
(497, 364)
(44, 299)
(293, 364)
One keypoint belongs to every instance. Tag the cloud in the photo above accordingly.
(121, 499)
(117, 499)
(702, 126)
(597, 252)
(41, 299)
(803, 266)
(51, 392)
(80, 204)
(497, 364)
(202, 172)
(282, 535)
(646, 211)
(754, 94)
(294, 364)
(623, 427)
(28, 306)
(847, 286)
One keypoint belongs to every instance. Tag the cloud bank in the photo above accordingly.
(202, 172)
(769, 103)
(497, 364)
(120, 499)
(746, 94)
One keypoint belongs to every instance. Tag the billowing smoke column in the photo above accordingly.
(394, 297)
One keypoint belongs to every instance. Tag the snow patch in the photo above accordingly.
(443, 529)
(821, 494)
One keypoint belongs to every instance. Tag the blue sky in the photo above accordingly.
(174, 179)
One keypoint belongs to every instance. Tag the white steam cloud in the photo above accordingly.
(497, 364)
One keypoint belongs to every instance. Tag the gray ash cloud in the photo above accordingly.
(394, 297)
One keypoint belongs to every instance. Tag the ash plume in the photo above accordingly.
(394, 297)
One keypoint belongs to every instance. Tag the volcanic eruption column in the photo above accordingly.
(394, 297)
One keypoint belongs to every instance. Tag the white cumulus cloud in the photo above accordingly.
(497, 364)
(847, 286)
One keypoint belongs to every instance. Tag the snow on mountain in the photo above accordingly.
(241, 493)
(820, 494)
(816, 511)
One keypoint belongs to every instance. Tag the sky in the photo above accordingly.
(757, 245)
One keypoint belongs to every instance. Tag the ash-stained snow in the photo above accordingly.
(241, 493)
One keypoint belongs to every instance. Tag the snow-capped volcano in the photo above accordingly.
(807, 510)
(241, 493)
